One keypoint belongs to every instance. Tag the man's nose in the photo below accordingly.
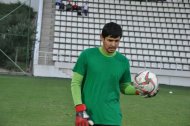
(113, 43)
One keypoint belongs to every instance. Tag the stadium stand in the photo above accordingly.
(156, 36)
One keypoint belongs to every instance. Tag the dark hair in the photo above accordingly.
(112, 29)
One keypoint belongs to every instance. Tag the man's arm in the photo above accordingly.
(128, 89)
(82, 118)
(76, 88)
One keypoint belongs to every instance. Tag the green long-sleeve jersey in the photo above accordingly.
(97, 81)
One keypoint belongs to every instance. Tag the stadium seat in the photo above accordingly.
(155, 31)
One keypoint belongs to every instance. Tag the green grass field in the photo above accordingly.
(35, 101)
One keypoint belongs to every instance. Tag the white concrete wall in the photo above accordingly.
(168, 77)
(34, 3)
(51, 71)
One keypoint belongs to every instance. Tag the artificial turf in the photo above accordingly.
(37, 101)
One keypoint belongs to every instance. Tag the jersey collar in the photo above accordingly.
(105, 53)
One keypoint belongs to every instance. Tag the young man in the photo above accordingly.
(99, 76)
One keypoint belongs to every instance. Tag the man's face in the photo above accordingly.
(110, 44)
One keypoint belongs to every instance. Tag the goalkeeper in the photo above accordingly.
(99, 76)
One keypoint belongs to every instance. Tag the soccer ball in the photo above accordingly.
(146, 82)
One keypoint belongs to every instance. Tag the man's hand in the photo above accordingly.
(82, 118)
(143, 93)
(147, 94)
(153, 93)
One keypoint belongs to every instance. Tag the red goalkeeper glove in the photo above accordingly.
(82, 118)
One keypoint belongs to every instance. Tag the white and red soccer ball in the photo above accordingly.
(147, 82)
